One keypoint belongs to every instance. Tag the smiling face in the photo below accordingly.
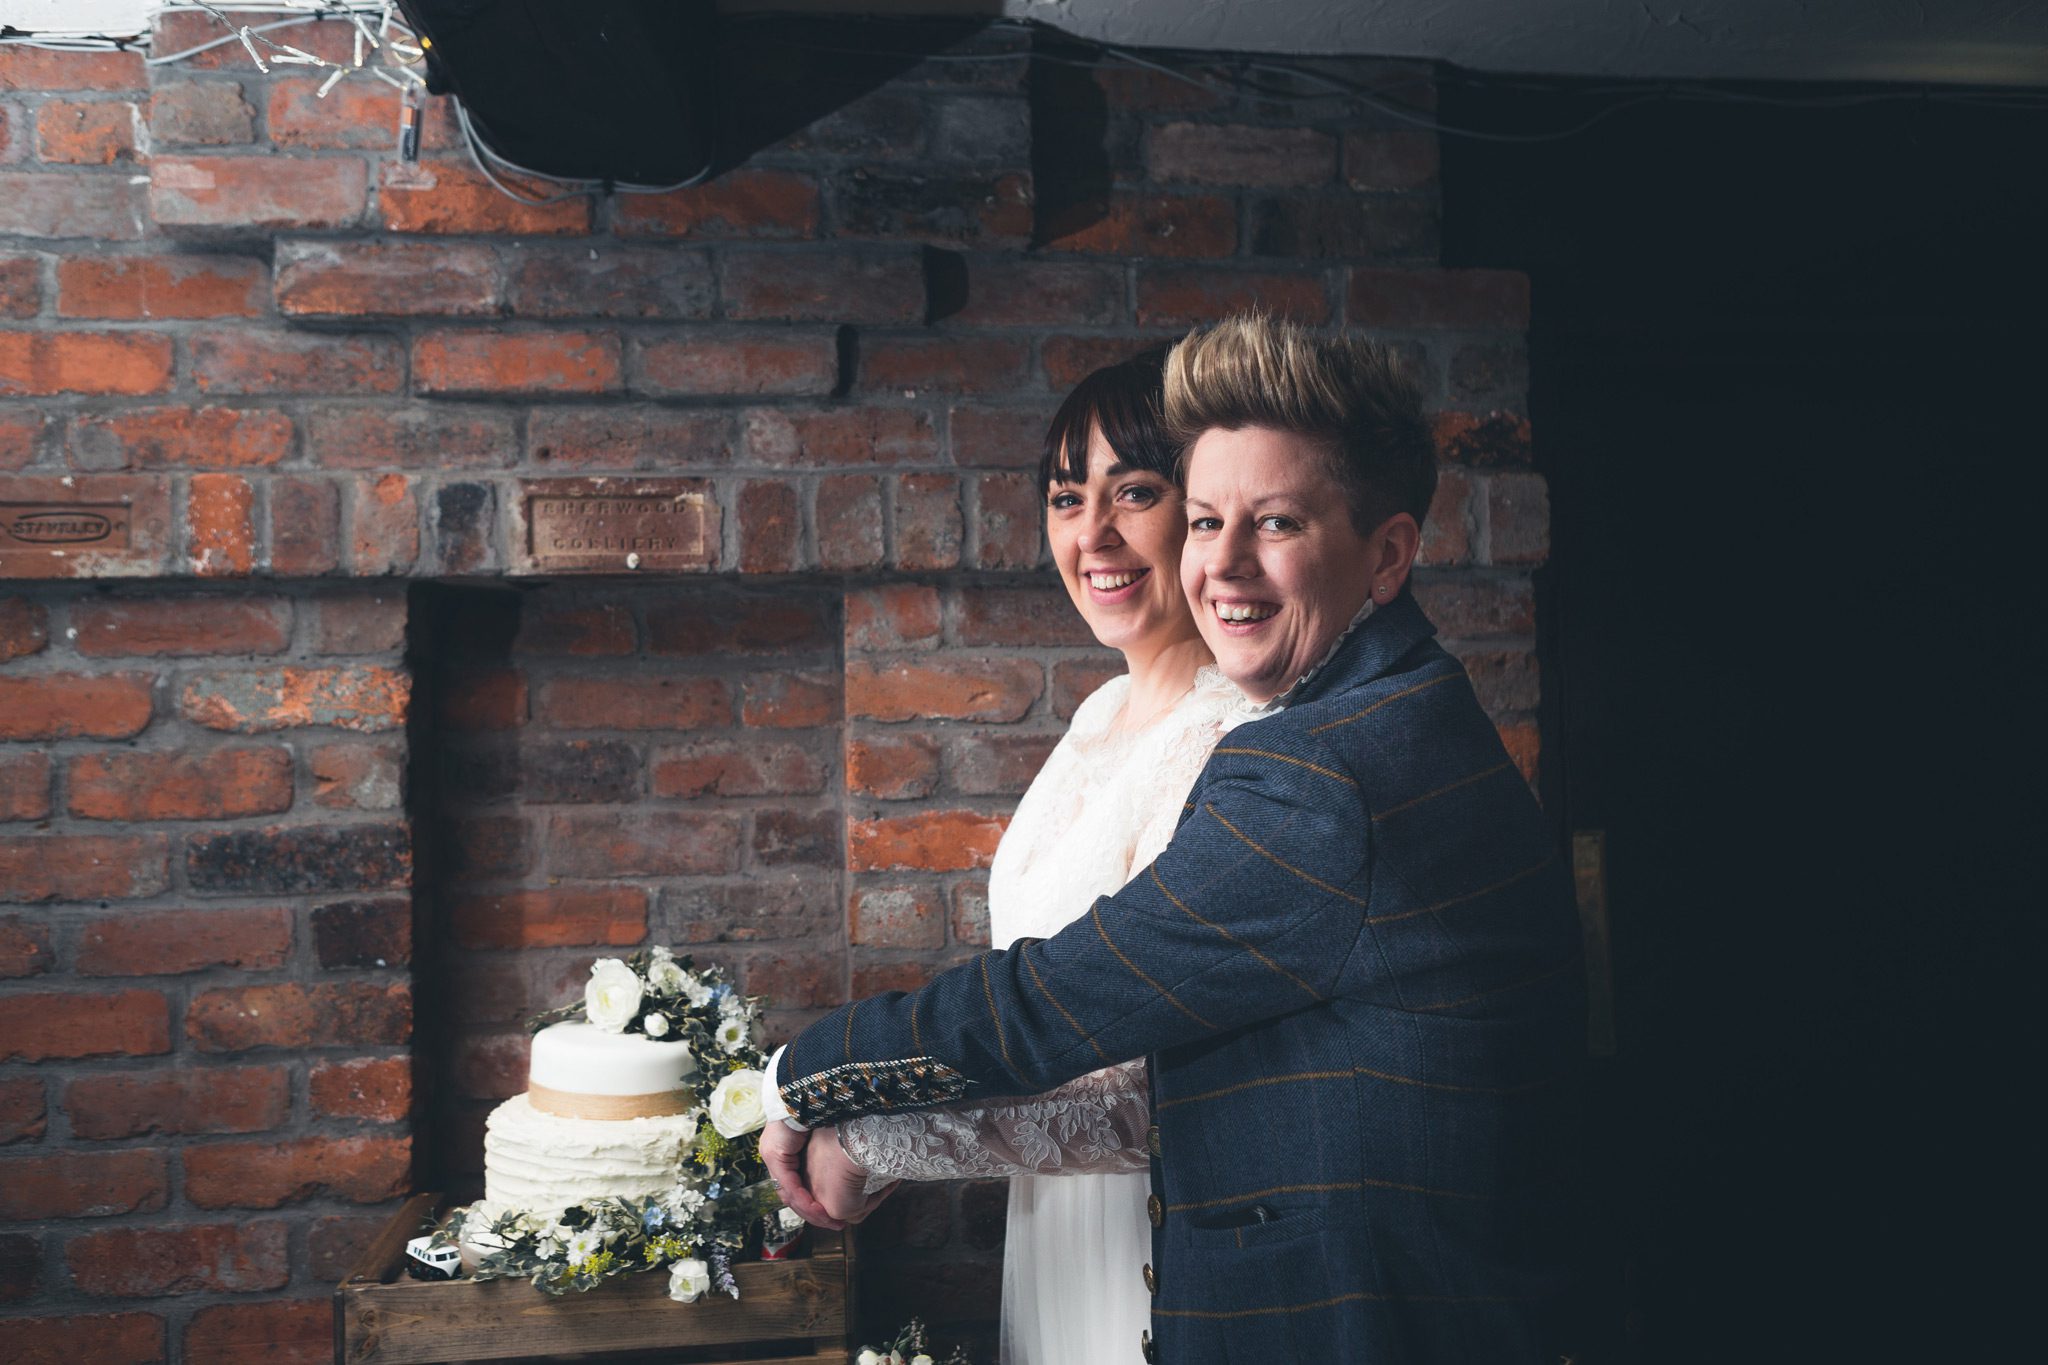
(1117, 540)
(1273, 566)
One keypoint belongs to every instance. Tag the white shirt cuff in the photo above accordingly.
(771, 1093)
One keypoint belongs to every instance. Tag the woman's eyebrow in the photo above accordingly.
(1197, 502)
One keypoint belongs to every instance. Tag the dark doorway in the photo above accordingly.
(1785, 365)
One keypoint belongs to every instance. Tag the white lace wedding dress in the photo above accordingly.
(1103, 807)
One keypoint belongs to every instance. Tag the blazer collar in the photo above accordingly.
(1374, 642)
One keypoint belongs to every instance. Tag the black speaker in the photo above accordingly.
(619, 91)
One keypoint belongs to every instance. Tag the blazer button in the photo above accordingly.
(1152, 1139)
(1151, 1281)
(1146, 1348)
(1155, 1210)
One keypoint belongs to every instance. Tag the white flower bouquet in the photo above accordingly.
(722, 1192)
(911, 1347)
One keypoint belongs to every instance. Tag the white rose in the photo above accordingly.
(736, 1104)
(660, 953)
(921, 1360)
(732, 1035)
(869, 1357)
(656, 1025)
(688, 1279)
(666, 978)
(613, 996)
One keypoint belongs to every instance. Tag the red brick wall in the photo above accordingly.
(227, 946)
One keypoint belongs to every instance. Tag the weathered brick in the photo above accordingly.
(375, 1088)
(791, 701)
(184, 941)
(1376, 160)
(37, 1028)
(1234, 154)
(970, 914)
(872, 978)
(180, 30)
(23, 1116)
(75, 706)
(611, 282)
(1488, 372)
(21, 286)
(359, 622)
(235, 1099)
(387, 279)
(932, 841)
(448, 197)
(1524, 743)
(1036, 617)
(354, 114)
(1074, 680)
(24, 786)
(364, 697)
(836, 287)
(768, 906)
(970, 209)
(943, 689)
(579, 772)
(138, 1262)
(575, 629)
(105, 208)
(928, 525)
(160, 286)
(371, 933)
(82, 867)
(850, 525)
(24, 947)
(629, 438)
(490, 1066)
(335, 1245)
(1505, 680)
(200, 114)
(1030, 292)
(247, 191)
(22, 435)
(305, 526)
(291, 860)
(462, 520)
(771, 526)
(82, 362)
(739, 203)
(494, 699)
(786, 838)
(1157, 225)
(626, 703)
(102, 1338)
(356, 1015)
(1466, 606)
(996, 765)
(1332, 226)
(37, 69)
(494, 362)
(220, 515)
(357, 776)
(492, 845)
(1005, 437)
(1439, 298)
(410, 437)
(181, 437)
(741, 362)
(258, 1175)
(1447, 531)
(281, 1332)
(1517, 518)
(892, 616)
(86, 133)
(384, 525)
(705, 626)
(893, 767)
(290, 362)
(953, 364)
(1069, 360)
(746, 766)
(643, 843)
(1184, 296)
(795, 980)
(218, 785)
(1143, 89)
(1008, 510)
(897, 917)
(842, 437)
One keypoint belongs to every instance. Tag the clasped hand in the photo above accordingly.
(817, 1178)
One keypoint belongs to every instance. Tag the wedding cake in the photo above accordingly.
(604, 1114)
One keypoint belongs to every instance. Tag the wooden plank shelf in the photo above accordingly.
(788, 1311)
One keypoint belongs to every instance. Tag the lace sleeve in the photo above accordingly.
(1092, 1124)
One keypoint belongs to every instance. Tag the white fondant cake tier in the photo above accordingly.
(581, 1059)
(543, 1162)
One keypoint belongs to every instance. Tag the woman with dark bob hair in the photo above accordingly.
(1102, 807)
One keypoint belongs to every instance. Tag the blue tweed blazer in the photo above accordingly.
(1356, 972)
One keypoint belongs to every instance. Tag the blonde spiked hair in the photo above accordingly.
(1346, 394)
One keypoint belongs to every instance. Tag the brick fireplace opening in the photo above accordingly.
(321, 762)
